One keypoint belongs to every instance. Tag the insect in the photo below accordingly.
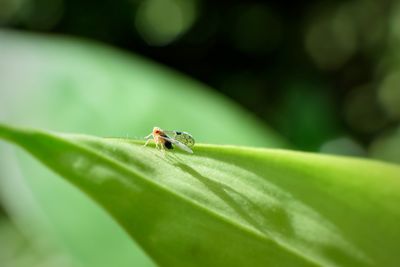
(166, 139)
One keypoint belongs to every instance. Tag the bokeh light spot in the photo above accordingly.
(161, 22)
(343, 146)
(386, 147)
(394, 25)
(389, 94)
(9, 10)
(331, 39)
(362, 110)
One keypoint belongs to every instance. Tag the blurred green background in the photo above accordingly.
(320, 76)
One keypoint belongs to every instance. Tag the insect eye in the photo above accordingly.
(157, 132)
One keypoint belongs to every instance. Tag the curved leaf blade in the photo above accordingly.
(233, 206)
(75, 85)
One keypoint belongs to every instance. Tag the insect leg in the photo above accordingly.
(148, 138)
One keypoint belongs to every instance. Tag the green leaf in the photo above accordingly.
(73, 85)
(233, 206)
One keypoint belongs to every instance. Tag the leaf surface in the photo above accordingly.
(233, 206)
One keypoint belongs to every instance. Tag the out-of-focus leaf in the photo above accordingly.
(76, 86)
(17, 251)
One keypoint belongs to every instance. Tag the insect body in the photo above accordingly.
(166, 139)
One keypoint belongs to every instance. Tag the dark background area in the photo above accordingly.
(311, 70)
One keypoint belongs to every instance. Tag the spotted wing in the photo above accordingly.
(178, 144)
(183, 137)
